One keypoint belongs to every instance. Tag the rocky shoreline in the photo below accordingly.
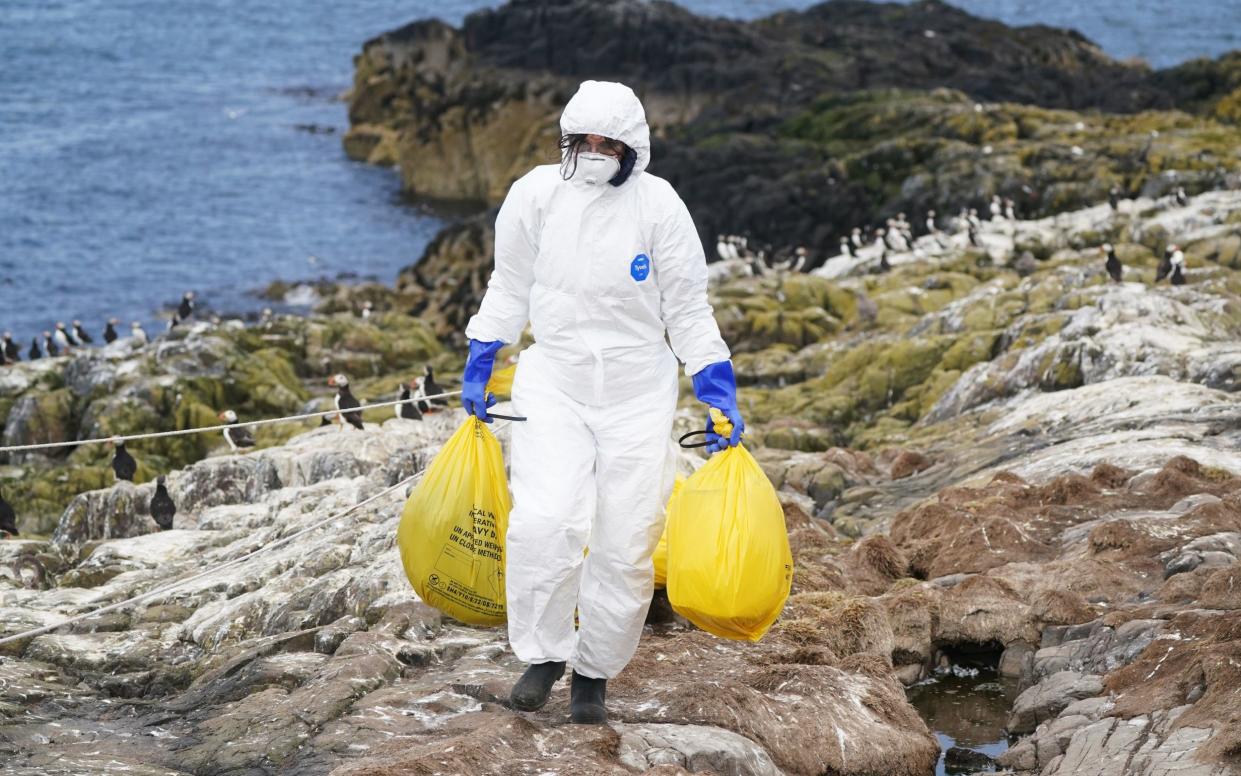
(989, 454)
(1081, 531)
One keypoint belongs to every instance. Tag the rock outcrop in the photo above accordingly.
(794, 128)
(184, 380)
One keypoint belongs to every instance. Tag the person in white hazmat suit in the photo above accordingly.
(602, 258)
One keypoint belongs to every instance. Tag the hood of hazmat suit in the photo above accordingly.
(608, 277)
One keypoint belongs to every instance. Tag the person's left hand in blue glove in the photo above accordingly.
(478, 366)
(716, 386)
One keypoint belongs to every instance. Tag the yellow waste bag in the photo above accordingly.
(660, 558)
(451, 534)
(729, 564)
(501, 381)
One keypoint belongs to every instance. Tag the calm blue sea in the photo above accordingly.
(153, 146)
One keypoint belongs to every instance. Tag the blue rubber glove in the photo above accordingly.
(478, 366)
(716, 386)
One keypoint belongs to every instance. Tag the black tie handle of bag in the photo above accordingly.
(514, 418)
(690, 446)
(496, 416)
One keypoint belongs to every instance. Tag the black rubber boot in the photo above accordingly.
(535, 685)
(586, 699)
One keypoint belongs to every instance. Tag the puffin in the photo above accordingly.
(345, 401)
(162, 507)
(407, 410)
(1181, 198)
(34, 351)
(366, 311)
(997, 208)
(109, 331)
(1113, 265)
(740, 247)
(186, 308)
(8, 518)
(724, 248)
(11, 351)
(123, 464)
(931, 228)
(1165, 264)
(1010, 210)
(50, 347)
(1113, 197)
(855, 237)
(1178, 266)
(801, 256)
(846, 249)
(239, 436)
(83, 337)
(906, 229)
(137, 334)
(431, 388)
(64, 340)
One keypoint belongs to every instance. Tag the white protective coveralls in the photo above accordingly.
(601, 272)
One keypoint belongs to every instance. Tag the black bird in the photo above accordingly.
(426, 386)
(345, 400)
(162, 507)
(186, 308)
(431, 387)
(8, 518)
(1181, 198)
(407, 410)
(1113, 197)
(239, 436)
(1165, 264)
(34, 350)
(83, 336)
(123, 464)
(1112, 264)
(109, 331)
(64, 338)
(49, 345)
(1178, 276)
(11, 351)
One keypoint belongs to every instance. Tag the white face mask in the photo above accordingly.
(596, 168)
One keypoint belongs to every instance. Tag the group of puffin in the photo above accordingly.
(1171, 266)
(413, 397)
(63, 339)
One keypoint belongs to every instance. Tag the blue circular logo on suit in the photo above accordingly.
(640, 267)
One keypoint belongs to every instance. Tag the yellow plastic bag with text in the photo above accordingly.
(729, 564)
(451, 535)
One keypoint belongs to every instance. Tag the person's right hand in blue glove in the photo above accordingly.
(478, 366)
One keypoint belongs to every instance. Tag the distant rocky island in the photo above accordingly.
(989, 451)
